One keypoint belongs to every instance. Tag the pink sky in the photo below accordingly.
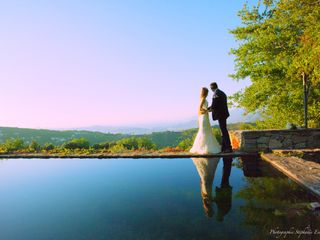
(78, 64)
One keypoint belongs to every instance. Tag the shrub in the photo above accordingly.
(117, 148)
(13, 145)
(77, 143)
(48, 146)
(103, 145)
(186, 144)
(135, 143)
(34, 146)
(146, 143)
(129, 143)
(217, 134)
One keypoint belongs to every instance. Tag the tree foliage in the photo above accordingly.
(134, 143)
(34, 146)
(278, 41)
(77, 143)
(12, 145)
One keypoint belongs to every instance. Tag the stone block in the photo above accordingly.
(249, 149)
(251, 135)
(316, 140)
(249, 141)
(262, 147)
(275, 144)
(299, 139)
(300, 145)
(287, 143)
(264, 140)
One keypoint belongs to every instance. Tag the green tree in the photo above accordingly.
(186, 144)
(146, 143)
(48, 146)
(34, 146)
(12, 145)
(279, 39)
(77, 143)
(103, 145)
(129, 143)
(134, 143)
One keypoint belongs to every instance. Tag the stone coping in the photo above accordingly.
(305, 173)
(278, 130)
(128, 155)
(302, 150)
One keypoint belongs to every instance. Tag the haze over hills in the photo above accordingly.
(136, 130)
(236, 116)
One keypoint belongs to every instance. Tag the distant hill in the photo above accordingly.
(141, 130)
(42, 136)
(55, 137)
(236, 116)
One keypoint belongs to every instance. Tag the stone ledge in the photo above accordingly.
(305, 173)
(127, 155)
(267, 140)
(306, 154)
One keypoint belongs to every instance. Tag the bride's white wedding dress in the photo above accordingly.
(205, 142)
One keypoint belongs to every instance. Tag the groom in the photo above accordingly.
(220, 112)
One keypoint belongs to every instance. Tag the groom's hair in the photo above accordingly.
(214, 85)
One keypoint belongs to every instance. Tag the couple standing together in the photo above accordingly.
(205, 142)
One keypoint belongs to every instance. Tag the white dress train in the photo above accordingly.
(205, 142)
(206, 168)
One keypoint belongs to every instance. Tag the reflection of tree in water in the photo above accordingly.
(279, 204)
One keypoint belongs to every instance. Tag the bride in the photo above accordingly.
(205, 142)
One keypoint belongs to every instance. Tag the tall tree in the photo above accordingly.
(278, 41)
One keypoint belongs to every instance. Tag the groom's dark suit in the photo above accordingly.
(220, 112)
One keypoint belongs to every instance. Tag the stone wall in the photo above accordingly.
(266, 140)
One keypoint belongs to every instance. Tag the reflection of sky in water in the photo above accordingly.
(112, 199)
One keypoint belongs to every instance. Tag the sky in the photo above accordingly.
(75, 63)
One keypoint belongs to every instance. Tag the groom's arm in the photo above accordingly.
(210, 108)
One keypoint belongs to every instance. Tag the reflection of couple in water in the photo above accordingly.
(223, 195)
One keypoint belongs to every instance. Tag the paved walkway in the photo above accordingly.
(306, 173)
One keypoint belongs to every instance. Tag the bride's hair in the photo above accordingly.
(204, 92)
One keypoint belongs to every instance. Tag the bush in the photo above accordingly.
(117, 148)
(13, 145)
(103, 145)
(48, 146)
(146, 143)
(80, 143)
(135, 143)
(34, 146)
(186, 144)
(129, 143)
(217, 134)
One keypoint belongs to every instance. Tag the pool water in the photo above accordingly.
(197, 198)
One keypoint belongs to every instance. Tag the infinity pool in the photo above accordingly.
(150, 199)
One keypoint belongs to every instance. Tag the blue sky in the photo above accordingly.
(80, 63)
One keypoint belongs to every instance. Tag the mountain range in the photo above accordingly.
(236, 116)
